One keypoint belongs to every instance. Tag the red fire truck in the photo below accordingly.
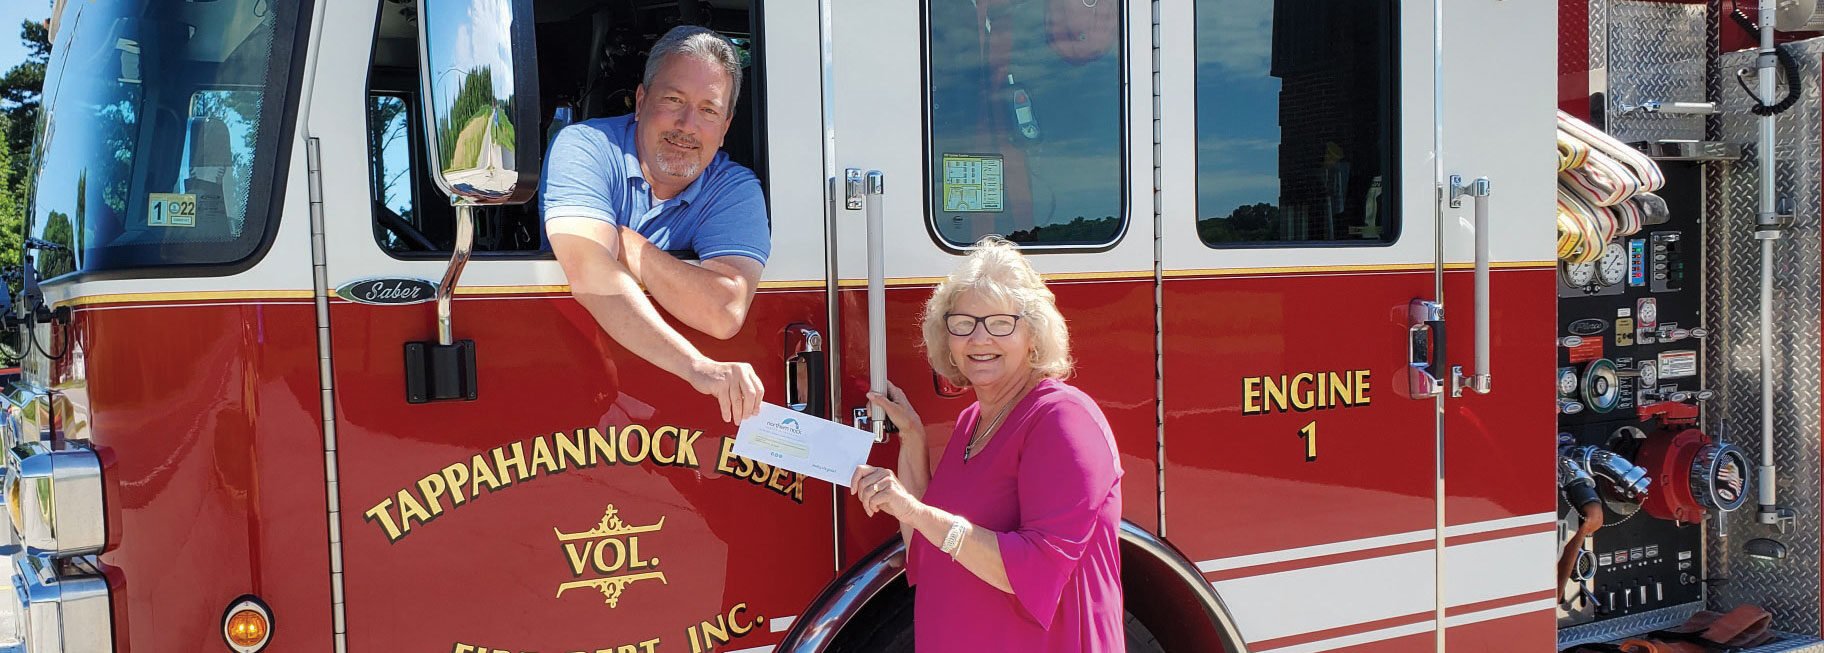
(300, 374)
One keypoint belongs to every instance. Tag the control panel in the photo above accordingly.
(1630, 338)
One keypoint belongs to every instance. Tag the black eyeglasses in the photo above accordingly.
(963, 326)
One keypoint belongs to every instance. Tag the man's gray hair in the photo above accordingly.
(701, 42)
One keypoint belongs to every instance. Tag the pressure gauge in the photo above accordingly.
(1649, 374)
(1613, 268)
(1567, 382)
(1578, 275)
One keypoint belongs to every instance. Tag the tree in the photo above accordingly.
(12, 212)
(20, 92)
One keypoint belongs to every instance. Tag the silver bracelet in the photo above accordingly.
(953, 540)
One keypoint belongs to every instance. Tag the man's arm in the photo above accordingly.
(711, 296)
(587, 248)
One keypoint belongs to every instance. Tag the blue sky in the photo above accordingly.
(12, 12)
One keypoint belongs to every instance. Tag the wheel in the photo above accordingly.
(886, 627)
(1139, 639)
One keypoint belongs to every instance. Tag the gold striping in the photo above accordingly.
(204, 295)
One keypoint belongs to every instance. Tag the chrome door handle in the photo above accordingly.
(1425, 348)
(806, 371)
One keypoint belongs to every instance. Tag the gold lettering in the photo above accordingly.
(383, 514)
(620, 555)
(1250, 395)
(687, 447)
(541, 456)
(601, 447)
(633, 555)
(627, 440)
(796, 489)
(432, 488)
(482, 473)
(463, 648)
(734, 624)
(725, 461)
(410, 509)
(572, 453)
(1301, 399)
(1341, 392)
(775, 482)
(1361, 387)
(517, 461)
(1276, 394)
(658, 455)
(577, 558)
(454, 477)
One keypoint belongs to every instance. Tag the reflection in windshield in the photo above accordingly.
(159, 133)
(1294, 120)
(1026, 121)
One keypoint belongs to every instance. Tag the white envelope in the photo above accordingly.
(811, 446)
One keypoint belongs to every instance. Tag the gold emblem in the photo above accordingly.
(611, 551)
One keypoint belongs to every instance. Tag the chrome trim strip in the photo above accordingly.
(832, 359)
(326, 375)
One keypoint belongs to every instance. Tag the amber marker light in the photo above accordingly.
(247, 626)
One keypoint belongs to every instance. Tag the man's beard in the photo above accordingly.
(675, 163)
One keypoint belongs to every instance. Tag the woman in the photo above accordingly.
(1012, 538)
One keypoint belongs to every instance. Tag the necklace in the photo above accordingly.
(981, 436)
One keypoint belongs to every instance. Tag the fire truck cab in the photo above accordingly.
(302, 373)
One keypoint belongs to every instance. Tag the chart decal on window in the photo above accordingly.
(170, 210)
(972, 183)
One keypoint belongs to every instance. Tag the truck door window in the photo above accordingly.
(591, 57)
(1296, 126)
(1027, 122)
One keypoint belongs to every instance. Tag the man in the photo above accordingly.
(618, 192)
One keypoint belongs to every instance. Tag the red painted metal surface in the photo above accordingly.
(705, 544)
(1499, 448)
(1240, 484)
(207, 419)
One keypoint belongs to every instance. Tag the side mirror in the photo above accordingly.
(479, 84)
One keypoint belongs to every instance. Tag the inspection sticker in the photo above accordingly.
(171, 210)
(972, 182)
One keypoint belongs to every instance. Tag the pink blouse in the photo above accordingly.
(1049, 484)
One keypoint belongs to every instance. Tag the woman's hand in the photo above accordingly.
(894, 404)
(880, 491)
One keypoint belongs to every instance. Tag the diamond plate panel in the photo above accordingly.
(1788, 588)
(1599, 41)
(1620, 627)
(1655, 53)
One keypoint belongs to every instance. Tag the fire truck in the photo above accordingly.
(301, 374)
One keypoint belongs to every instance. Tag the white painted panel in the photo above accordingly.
(1500, 93)
(880, 105)
(1183, 250)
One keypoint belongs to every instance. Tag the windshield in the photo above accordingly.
(162, 125)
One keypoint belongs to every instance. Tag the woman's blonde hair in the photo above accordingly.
(997, 271)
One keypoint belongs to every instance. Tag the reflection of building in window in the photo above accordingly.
(1295, 120)
(1334, 76)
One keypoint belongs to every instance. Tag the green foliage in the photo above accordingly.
(1247, 223)
(1080, 230)
(20, 89)
(475, 97)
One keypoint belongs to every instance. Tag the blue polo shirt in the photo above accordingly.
(593, 171)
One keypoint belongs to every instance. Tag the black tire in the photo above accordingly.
(1139, 639)
(886, 627)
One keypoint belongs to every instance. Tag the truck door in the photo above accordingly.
(1029, 120)
(1310, 243)
(1300, 262)
(582, 499)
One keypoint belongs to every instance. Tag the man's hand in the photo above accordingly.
(734, 385)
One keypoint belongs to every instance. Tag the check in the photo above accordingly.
(811, 446)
